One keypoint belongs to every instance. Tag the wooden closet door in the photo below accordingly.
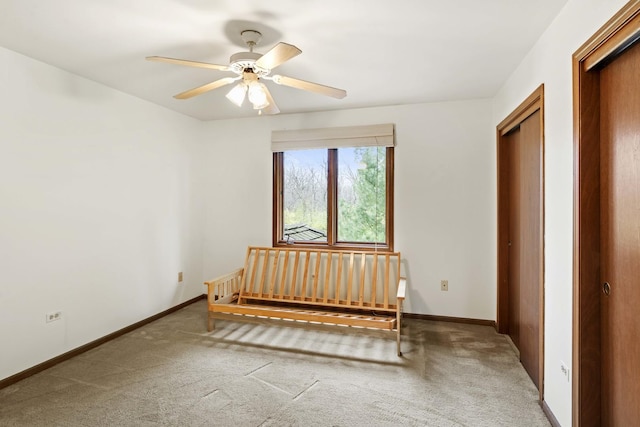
(525, 247)
(620, 239)
(515, 243)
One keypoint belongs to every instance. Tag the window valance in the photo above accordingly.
(382, 135)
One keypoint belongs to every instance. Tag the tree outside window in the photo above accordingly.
(362, 195)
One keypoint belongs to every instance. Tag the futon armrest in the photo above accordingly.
(225, 289)
(402, 287)
(235, 273)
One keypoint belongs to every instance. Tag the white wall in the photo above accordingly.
(99, 210)
(549, 62)
(445, 197)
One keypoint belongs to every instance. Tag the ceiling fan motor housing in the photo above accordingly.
(242, 60)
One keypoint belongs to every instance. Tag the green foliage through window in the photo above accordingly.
(361, 208)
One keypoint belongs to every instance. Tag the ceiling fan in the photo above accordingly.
(252, 67)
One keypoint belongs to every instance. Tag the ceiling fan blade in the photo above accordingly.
(280, 53)
(188, 63)
(312, 87)
(206, 88)
(272, 108)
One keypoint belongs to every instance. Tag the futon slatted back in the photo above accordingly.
(356, 279)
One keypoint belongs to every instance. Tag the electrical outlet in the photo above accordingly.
(565, 371)
(180, 277)
(53, 316)
(444, 285)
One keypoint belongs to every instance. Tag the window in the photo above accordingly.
(337, 197)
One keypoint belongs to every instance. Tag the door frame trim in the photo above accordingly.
(622, 30)
(533, 103)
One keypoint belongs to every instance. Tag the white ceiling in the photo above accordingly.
(382, 52)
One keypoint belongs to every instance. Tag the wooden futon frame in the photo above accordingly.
(349, 288)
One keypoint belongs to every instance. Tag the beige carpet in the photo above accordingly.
(173, 372)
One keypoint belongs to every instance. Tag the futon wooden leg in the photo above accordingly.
(399, 322)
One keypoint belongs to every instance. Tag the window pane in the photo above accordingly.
(362, 194)
(305, 195)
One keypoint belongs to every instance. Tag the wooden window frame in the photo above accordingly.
(332, 203)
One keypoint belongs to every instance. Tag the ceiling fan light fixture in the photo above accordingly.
(237, 94)
(257, 95)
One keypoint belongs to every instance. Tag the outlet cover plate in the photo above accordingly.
(53, 316)
(565, 371)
